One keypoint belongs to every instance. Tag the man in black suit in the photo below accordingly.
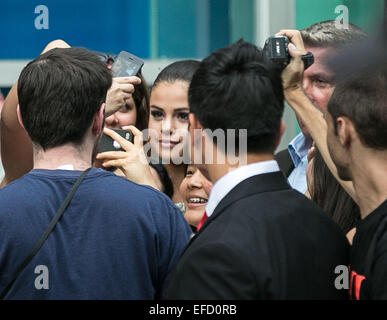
(261, 239)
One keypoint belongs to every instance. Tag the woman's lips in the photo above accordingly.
(168, 143)
(194, 202)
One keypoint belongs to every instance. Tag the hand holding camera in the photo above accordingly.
(299, 60)
(276, 49)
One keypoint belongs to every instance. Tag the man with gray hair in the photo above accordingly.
(322, 39)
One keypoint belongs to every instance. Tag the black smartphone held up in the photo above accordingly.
(126, 65)
(108, 144)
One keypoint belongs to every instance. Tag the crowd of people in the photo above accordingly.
(158, 220)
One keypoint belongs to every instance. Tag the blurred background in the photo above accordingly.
(161, 31)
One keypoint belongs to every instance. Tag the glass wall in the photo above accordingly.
(149, 28)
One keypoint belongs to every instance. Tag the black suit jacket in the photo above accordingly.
(263, 241)
(285, 162)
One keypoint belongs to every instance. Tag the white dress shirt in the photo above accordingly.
(226, 183)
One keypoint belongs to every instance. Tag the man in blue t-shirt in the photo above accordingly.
(116, 239)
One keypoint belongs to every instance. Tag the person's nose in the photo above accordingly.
(111, 121)
(167, 127)
(194, 182)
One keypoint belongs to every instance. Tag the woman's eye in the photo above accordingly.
(183, 116)
(156, 114)
(190, 173)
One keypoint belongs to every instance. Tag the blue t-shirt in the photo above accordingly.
(116, 240)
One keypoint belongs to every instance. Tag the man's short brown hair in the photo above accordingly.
(326, 34)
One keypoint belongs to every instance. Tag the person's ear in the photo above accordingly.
(280, 132)
(194, 124)
(19, 117)
(196, 139)
(345, 130)
(98, 121)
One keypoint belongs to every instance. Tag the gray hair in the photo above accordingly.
(326, 34)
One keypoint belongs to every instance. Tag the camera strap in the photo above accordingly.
(46, 233)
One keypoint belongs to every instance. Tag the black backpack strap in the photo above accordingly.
(285, 162)
(46, 233)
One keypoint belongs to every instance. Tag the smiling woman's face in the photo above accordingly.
(169, 118)
(195, 189)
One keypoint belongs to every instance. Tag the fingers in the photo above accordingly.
(125, 144)
(127, 88)
(112, 155)
(128, 80)
(114, 163)
(292, 75)
(294, 37)
(120, 91)
(137, 136)
(123, 86)
(296, 45)
(126, 93)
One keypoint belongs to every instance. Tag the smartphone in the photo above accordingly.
(126, 65)
(108, 144)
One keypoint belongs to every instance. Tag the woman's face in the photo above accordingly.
(126, 116)
(195, 189)
(168, 119)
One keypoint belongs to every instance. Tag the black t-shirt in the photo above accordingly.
(368, 266)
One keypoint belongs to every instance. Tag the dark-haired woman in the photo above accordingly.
(328, 194)
(168, 119)
(195, 189)
(167, 130)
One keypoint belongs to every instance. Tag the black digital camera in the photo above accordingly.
(276, 49)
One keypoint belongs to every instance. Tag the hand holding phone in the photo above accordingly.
(124, 68)
(126, 65)
(132, 161)
(108, 144)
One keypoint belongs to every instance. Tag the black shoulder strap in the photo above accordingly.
(285, 162)
(46, 233)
